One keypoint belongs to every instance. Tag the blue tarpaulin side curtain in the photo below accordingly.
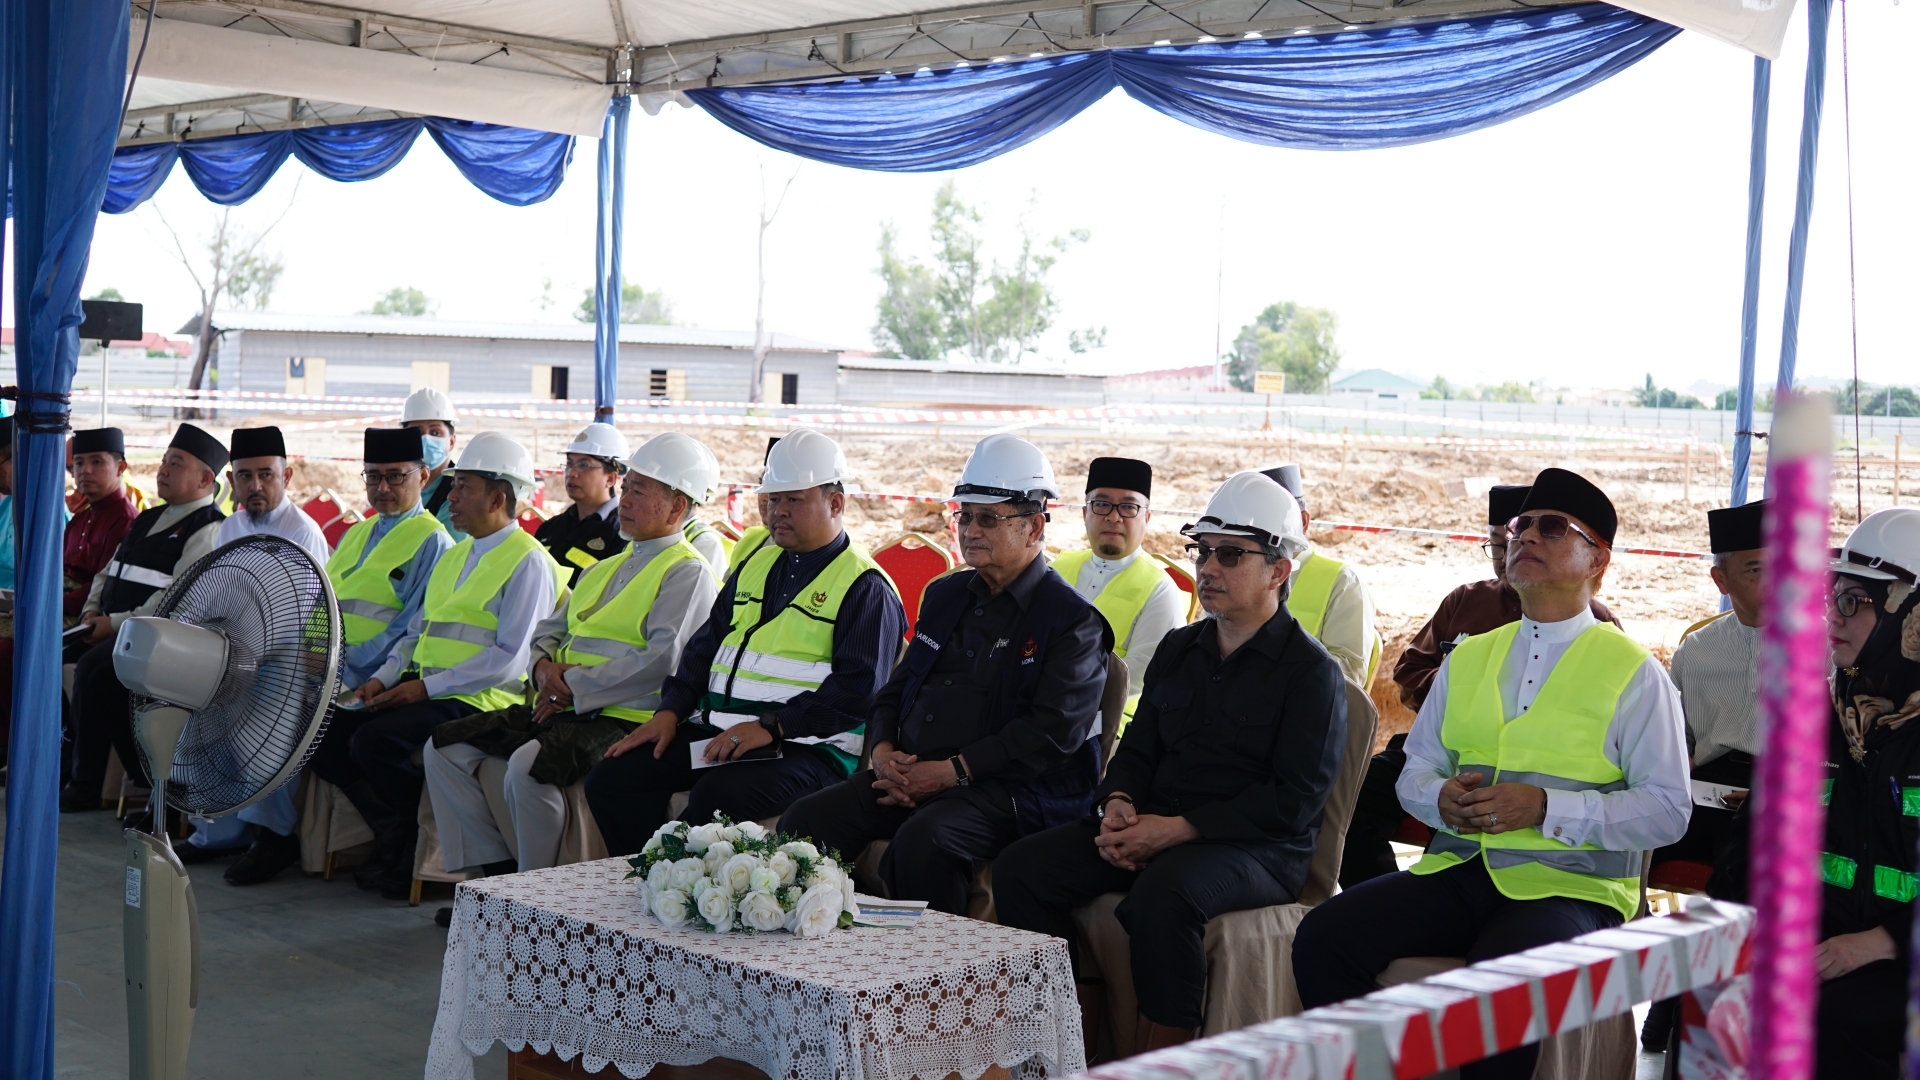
(608, 247)
(1750, 294)
(517, 166)
(65, 69)
(1343, 91)
(1818, 13)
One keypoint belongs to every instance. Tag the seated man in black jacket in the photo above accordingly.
(1213, 801)
(986, 732)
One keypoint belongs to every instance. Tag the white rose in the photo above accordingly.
(737, 873)
(716, 906)
(652, 845)
(731, 834)
(699, 888)
(846, 895)
(752, 830)
(686, 872)
(660, 878)
(826, 873)
(760, 911)
(800, 849)
(717, 855)
(763, 880)
(701, 837)
(817, 912)
(783, 867)
(672, 908)
(667, 828)
(790, 896)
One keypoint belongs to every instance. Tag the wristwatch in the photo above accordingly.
(960, 771)
(772, 725)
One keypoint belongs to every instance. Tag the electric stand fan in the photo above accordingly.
(232, 678)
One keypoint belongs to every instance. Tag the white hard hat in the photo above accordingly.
(1883, 547)
(494, 454)
(1004, 467)
(427, 403)
(679, 461)
(1251, 504)
(601, 441)
(803, 459)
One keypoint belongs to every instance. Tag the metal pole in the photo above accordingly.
(1818, 14)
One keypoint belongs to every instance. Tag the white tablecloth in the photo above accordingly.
(564, 961)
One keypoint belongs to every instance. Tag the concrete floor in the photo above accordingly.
(300, 977)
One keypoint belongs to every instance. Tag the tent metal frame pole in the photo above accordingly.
(1750, 296)
(609, 248)
(1819, 13)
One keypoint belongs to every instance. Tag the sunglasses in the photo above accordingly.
(968, 518)
(1847, 603)
(1552, 527)
(1228, 555)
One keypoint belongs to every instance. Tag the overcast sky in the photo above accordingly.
(1589, 243)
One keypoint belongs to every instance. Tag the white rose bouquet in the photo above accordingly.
(722, 877)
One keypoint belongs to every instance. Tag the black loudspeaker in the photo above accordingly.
(110, 320)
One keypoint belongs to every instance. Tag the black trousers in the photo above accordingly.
(1344, 944)
(1038, 881)
(102, 721)
(629, 793)
(1862, 1028)
(935, 845)
(364, 751)
(1376, 816)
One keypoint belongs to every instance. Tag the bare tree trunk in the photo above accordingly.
(202, 351)
(761, 342)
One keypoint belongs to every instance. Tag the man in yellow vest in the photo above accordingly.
(771, 697)
(1140, 602)
(702, 472)
(465, 651)
(598, 666)
(754, 538)
(1550, 754)
(1329, 599)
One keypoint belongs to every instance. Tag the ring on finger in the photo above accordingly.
(1493, 819)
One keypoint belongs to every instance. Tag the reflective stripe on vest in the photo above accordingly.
(456, 624)
(1558, 743)
(581, 559)
(139, 575)
(364, 587)
(1312, 591)
(598, 632)
(767, 660)
(1888, 883)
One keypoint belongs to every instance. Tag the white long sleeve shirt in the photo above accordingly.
(1646, 740)
(1347, 628)
(528, 597)
(1164, 610)
(286, 521)
(1716, 670)
(633, 679)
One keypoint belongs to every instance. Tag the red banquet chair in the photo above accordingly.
(531, 518)
(1182, 577)
(331, 515)
(1679, 876)
(912, 561)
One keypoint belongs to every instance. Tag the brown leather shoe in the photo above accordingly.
(1148, 1035)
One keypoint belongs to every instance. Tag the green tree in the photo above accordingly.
(1439, 390)
(1892, 401)
(1658, 397)
(402, 300)
(1507, 392)
(1291, 338)
(637, 306)
(1020, 307)
(911, 322)
(108, 293)
(255, 276)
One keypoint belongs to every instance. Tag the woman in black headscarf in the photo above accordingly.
(1873, 809)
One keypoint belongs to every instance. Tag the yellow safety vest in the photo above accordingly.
(766, 660)
(1312, 588)
(1558, 743)
(744, 548)
(456, 623)
(595, 636)
(1121, 602)
(364, 590)
(696, 528)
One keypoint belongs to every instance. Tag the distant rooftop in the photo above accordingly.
(403, 326)
(1376, 379)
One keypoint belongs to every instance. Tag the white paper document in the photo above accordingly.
(1714, 795)
(699, 751)
(888, 914)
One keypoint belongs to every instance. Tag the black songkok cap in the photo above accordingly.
(1735, 528)
(390, 446)
(1288, 476)
(200, 445)
(100, 440)
(772, 441)
(1571, 493)
(253, 442)
(1504, 502)
(1124, 473)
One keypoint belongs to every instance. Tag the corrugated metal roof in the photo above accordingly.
(1375, 379)
(403, 326)
(960, 367)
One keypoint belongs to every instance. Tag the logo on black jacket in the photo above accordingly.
(819, 598)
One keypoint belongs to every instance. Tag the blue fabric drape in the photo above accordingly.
(66, 68)
(1818, 13)
(1342, 91)
(609, 246)
(517, 166)
(1750, 296)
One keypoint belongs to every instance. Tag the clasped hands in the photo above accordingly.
(374, 696)
(904, 780)
(555, 696)
(1466, 807)
(1128, 839)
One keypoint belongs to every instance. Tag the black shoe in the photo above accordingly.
(270, 854)
(194, 853)
(443, 918)
(397, 885)
(75, 800)
(1661, 1018)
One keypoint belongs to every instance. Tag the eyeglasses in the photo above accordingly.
(1552, 527)
(588, 464)
(1102, 507)
(1228, 555)
(989, 522)
(1847, 603)
(1495, 549)
(390, 479)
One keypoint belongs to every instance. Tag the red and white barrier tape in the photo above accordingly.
(1471, 1013)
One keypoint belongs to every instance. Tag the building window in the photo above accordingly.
(557, 383)
(657, 383)
(789, 388)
